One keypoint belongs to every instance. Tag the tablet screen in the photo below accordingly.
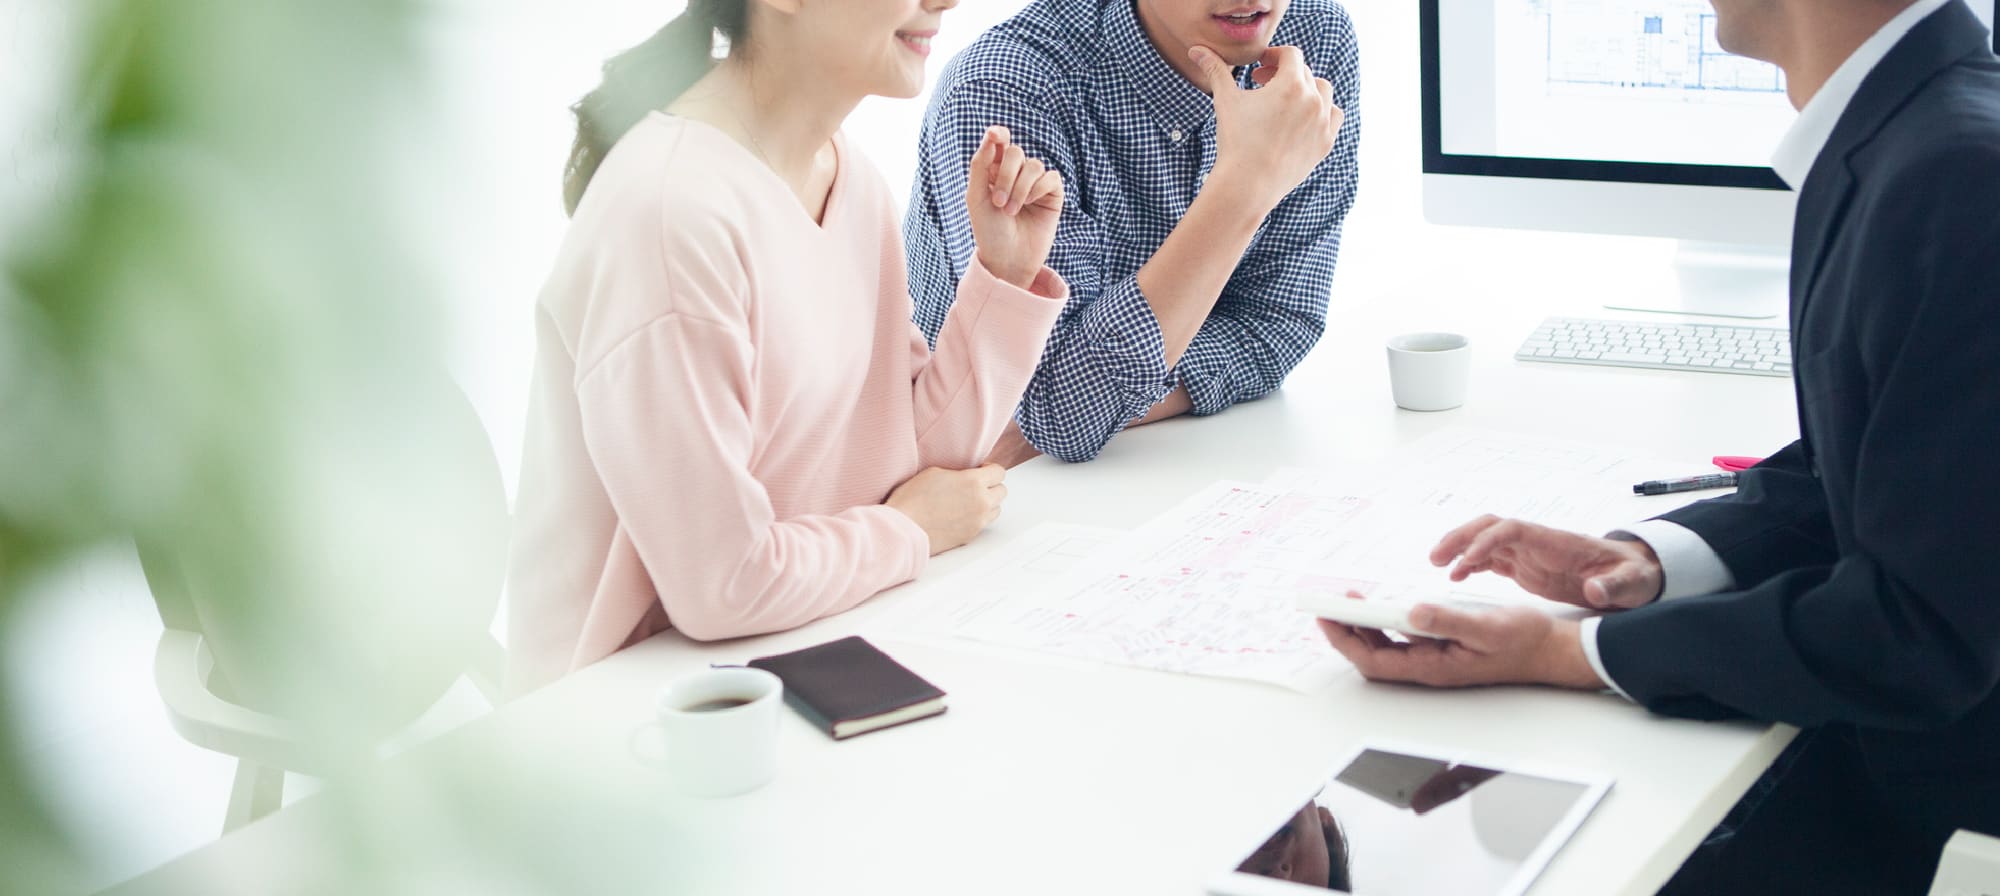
(1391, 823)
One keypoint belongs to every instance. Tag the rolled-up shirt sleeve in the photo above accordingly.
(1273, 309)
(1105, 363)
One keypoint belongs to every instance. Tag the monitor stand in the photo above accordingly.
(1723, 280)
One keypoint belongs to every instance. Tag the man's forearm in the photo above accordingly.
(1185, 277)
(1013, 449)
(1175, 404)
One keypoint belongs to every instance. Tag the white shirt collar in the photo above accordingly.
(1802, 144)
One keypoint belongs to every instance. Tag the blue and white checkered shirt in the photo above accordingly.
(1083, 90)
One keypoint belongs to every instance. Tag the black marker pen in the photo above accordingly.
(1685, 484)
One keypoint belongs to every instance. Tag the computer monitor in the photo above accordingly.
(1616, 117)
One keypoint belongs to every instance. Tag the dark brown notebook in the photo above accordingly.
(848, 687)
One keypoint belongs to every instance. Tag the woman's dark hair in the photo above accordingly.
(645, 78)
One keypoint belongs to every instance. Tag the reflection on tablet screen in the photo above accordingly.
(1310, 849)
(1393, 824)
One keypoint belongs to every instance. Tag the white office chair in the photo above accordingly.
(1970, 866)
(207, 653)
(265, 746)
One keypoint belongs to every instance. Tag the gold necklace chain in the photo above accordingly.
(755, 145)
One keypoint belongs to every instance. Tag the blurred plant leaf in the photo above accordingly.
(219, 338)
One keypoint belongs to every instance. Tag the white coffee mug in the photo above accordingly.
(1429, 371)
(721, 730)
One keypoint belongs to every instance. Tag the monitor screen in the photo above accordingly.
(1615, 90)
(1609, 80)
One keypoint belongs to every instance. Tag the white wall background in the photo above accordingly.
(137, 795)
(517, 65)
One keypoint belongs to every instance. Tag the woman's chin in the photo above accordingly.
(902, 89)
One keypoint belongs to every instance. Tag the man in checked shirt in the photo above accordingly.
(1209, 148)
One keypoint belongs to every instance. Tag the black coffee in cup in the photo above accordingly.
(717, 705)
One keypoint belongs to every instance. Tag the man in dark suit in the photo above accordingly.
(1851, 586)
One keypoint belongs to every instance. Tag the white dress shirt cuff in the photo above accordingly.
(1588, 634)
(1688, 566)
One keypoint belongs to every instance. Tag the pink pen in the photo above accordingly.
(1736, 464)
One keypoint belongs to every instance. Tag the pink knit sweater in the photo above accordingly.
(725, 392)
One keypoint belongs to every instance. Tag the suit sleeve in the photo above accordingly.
(1777, 519)
(1900, 629)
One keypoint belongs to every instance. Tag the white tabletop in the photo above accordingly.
(1059, 776)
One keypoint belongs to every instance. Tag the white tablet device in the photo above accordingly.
(1385, 610)
(1415, 822)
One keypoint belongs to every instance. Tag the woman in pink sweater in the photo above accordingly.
(734, 427)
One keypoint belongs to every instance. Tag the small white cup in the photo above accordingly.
(721, 730)
(1429, 371)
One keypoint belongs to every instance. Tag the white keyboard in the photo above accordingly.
(1757, 351)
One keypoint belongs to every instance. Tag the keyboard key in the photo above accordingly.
(1635, 357)
(1697, 347)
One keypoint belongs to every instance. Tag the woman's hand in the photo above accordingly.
(1014, 202)
(951, 506)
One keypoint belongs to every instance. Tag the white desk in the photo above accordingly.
(1055, 776)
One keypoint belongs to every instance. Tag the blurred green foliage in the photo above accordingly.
(218, 337)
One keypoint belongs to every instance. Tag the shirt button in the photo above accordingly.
(1175, 135)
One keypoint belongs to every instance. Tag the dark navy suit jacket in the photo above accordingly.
(1868, 552)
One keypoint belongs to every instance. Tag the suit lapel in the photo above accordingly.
(1935, 44)
(1822, 204)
